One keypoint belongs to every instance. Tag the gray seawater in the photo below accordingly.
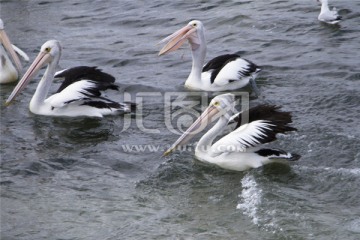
(64, 178)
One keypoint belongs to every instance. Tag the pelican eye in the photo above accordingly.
(216, 103)
(194, 24)
(48, 49)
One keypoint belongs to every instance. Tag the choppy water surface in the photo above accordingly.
(65, 178)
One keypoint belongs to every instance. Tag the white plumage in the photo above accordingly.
(241, 138)
(8, 72)
(72, 93)
(328, 16)
(225, 72)
(233, 72)
(242, 148)
(79, 94)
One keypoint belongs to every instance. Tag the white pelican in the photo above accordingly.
(9, 73)
(326, 15)
(80, 93)
(238, 150)
(225, 72)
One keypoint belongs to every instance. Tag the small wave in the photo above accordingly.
(346, 171)
(353, 225)
(342, 171)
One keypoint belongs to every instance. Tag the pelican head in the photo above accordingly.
(194, 32)
(5, 41)
(50, 51)
(219, 106)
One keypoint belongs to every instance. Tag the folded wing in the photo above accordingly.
(256, 126)
(83, 85)
(228, 68)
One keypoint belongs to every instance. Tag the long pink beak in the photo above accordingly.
(176, 39)
(41, 60)
(210, 114)
(4, 39)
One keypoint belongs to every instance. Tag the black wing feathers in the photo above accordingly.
(274, 153)
(102, 104)
(278, 121)
(219, 62)
(216, 64)
(265, 152)
(103, 80)
(338, 18)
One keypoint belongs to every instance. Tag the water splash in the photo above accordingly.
(251, 198)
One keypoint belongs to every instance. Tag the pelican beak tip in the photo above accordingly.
(7, 103)
(167, 153)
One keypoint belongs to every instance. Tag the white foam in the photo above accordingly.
(251, 198)
(353, 171)
(353, 225)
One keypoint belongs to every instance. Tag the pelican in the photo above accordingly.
(240, 149)
(326, 15)
(225, 72)
(8, 72)
(80, 93)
